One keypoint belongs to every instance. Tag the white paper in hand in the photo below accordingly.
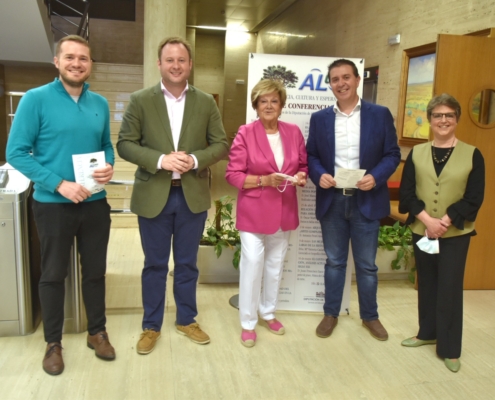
(84, 166)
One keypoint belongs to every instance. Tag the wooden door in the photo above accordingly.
(465, 65)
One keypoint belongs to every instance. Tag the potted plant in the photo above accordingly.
(395, 250)
(220, 246)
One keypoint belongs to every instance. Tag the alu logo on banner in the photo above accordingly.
(309, 81)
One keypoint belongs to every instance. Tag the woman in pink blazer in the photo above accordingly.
(266, 205)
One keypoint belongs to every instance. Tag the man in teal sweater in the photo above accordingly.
(53, 123)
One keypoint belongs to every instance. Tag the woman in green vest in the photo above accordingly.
(442, 189)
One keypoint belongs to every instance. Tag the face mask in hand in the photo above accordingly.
(428, 246)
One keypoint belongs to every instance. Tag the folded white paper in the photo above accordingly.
(347, 178)
(84, 166)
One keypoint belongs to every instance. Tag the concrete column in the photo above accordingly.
(162, 18)
(191, 38)
(238, 45)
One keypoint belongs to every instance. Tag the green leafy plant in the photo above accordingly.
(399, 236)
(412, 274)
(221, 231)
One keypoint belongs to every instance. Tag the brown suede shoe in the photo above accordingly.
(101, 345)
(53, 362)
(193, 332)
(327, 324)
(147, 341)
(376, 329)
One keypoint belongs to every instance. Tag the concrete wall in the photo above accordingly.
(3, 115)
(119, 42)
(23, 78)
(209, 65)
(356, 28)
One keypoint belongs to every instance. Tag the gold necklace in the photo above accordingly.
(444, 157)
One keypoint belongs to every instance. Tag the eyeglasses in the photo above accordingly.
(449, 116)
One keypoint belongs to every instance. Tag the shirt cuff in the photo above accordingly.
(159, 165)
(195, 161)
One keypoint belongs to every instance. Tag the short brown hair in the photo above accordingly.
(343, 61)
(174, 40)
(266, 86)
(444, 99)
(72, 38)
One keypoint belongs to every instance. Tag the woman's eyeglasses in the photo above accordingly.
(449, 116)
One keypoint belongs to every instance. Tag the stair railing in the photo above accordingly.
(82, 27)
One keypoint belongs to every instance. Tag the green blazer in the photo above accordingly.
(145, 135)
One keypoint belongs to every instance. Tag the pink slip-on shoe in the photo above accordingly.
(276, 327)
(248, 339)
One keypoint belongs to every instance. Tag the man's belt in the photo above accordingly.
(176, 182)
(346, 191)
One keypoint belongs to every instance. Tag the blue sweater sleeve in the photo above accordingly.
(23, 134)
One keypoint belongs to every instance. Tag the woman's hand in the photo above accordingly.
(272, 180)
(446, 220)
(435, 227)
(301, 179)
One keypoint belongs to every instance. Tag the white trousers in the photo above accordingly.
(262, 262)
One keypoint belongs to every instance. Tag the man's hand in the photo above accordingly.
(327, 181)
(178, 162)
(367, 183)
(103, 175)
(74, 191)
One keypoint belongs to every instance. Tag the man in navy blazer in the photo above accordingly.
(353, 134)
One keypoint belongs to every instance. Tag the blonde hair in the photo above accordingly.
(266, 86)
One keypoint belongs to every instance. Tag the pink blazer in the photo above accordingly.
(265, 210)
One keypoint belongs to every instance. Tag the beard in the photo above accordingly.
(71, 82)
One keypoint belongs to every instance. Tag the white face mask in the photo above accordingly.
(428, 246)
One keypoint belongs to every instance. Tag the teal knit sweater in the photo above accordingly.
(51, 125)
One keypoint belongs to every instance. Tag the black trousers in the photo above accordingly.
(58, 224)
(440, 294)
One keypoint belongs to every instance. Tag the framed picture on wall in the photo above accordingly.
(416, 90)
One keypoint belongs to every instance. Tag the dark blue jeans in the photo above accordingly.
(176, 225)
(344, 221)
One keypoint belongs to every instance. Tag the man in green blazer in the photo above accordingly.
(173, 132)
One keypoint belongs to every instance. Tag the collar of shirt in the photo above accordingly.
(347, 138)
(357, 107)
(169, 95)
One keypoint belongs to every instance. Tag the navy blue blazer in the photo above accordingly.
(379, 155)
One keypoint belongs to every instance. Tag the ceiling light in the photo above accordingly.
(218, 28)
(289, 34)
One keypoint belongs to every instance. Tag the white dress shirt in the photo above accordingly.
(175, 111)
(347, 135)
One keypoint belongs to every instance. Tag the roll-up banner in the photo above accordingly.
(308, 90)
